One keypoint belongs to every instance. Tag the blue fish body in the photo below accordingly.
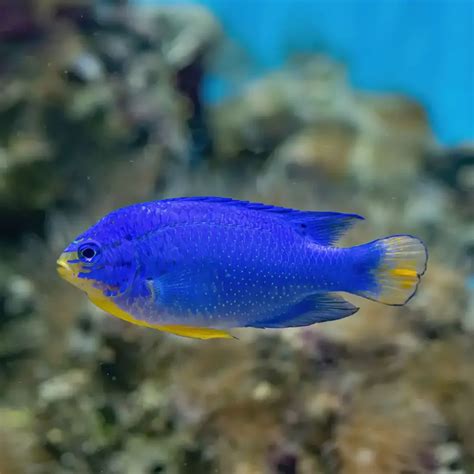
(219, 263)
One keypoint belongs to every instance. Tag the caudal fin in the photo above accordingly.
(394, 268)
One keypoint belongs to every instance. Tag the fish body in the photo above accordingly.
(199, 266)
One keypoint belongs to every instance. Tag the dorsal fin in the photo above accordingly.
(325, 228)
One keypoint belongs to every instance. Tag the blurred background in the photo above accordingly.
(351, 106)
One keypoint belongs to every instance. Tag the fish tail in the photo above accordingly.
(388, 270)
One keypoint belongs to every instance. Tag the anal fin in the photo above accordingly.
(315, 308)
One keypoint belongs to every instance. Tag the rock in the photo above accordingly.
(315, 155)
(364, 447)
(269, 110)
(63, 387)
(455, 168)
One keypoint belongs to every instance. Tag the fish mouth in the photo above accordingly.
(63, 268)
(69, 270)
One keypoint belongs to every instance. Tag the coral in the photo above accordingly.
(83, 102)
(271, 109)
(442, 298)
(387, 429)
(443, 373)
(19, 450)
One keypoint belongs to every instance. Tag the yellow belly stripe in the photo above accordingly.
(186, 331)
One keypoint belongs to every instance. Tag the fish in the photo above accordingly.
(200, 266)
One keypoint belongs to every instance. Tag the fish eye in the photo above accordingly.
(88, 252)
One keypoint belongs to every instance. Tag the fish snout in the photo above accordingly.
(64, 268)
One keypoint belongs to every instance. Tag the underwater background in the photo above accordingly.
(350, 106)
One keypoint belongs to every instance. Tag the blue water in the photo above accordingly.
(419, 47)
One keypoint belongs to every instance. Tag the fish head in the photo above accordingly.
(99, 262)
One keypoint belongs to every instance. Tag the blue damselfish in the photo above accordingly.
(199, 266)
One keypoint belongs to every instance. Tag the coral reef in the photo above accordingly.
(101, 106)
(387, 430)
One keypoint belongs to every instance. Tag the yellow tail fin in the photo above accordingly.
(402, 262)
